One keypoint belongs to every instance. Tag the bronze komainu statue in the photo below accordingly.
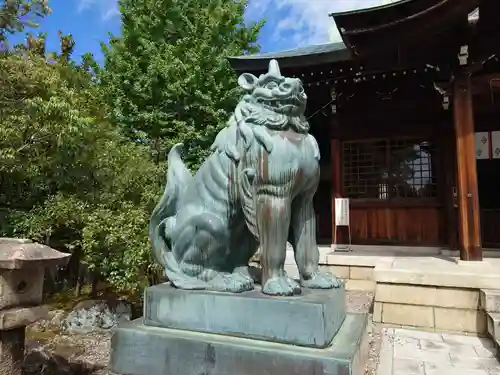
(255, 189)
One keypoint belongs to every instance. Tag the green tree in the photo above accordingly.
(167, 77)
(68, 177)
(15, 15)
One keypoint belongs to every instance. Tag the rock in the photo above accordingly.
(35, 361)
(56, 317)
(68, 355)
(91, 315)
(38, 326)
(43, 361)
(53, 321)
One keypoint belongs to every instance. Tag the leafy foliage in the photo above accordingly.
(167, 77)
(68, 177)
(77, 140)
(15, 15)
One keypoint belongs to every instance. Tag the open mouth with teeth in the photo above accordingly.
(281, 106)
(291, 103)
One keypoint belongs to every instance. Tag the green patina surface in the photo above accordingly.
(143, 350)
(311, 319)
(254, 191)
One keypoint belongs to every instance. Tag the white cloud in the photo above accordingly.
(304, 22)
(299, 22)
(106, 8)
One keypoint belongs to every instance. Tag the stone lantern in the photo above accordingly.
(22, 270)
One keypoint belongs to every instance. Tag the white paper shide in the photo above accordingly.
(482, 145)
(495, 144)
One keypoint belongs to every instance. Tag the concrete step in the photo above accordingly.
(494, 326)
(490, 303)
(490, 300)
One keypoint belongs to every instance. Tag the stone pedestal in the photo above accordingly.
(198, 332)
(311, 319)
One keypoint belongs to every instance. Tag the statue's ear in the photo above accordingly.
(247, 81)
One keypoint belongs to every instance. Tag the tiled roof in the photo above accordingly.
(311, 55)
(315, 49)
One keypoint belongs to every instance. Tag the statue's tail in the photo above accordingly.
(163, 216)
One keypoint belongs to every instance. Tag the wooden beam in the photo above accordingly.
(486, 79)
(468, 200)
(485, 84)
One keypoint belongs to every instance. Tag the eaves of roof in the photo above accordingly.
(401, 23)
(305, 56)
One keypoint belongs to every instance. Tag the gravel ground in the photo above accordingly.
(361, 302)
(85, 354)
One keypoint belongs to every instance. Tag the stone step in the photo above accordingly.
(494, 326)
(490, 300)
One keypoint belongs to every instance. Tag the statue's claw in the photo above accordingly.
(234, 283)
(281, 286)
(321, 280)
(294, 284)
(244, 279)
(249, 272)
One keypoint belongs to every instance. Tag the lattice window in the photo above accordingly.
(390, 168)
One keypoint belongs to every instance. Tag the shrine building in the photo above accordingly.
(406, 111)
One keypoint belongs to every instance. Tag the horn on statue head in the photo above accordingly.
(274, 68)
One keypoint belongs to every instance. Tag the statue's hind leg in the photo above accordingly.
(201, 249)
(303, 236)
(273, 220)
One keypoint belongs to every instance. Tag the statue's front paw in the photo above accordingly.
(251, 273)
(293, 284)
(321, 280)
(233, 283)
(243, 279)
(281, 286)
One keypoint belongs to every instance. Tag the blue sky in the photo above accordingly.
(289, 23)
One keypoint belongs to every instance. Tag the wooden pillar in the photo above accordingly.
(468, 200)
(336, 171)
(447, 173)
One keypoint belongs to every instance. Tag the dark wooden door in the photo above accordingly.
(489, 200)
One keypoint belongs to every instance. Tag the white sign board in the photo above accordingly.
(342, 211)
(495, 144)
(482, 145)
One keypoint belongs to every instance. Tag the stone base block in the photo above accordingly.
(429, 306)
(137, 349)
(360, 285)
(490, 300)
(21, 316)
(434, 318)
(494, 326)
(310, 319)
